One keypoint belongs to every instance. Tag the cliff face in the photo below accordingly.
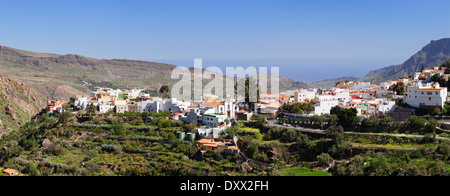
(18, 103)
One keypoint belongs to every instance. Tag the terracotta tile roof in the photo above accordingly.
(10, 171)
(212, 103)
(349, 107)
(273, 95)
(430, 89)
(367, 91)
(242, 111)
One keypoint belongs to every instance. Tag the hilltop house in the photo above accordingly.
(55, 106)
(213, 119)
(428, 96)
(325, 102)
(226, 107)
(81, 102)
(304, 95)
(11, 172)
(215, 144)
(274, 97)
(103, 108)
(168, 105)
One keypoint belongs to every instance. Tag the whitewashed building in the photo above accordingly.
(426, 95)
(103, 108)
(304, 95)
(362, 86)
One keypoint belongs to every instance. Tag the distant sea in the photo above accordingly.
(305, 70)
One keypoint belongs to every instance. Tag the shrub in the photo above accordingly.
(109, 148)
(138, 122)
(324, 159)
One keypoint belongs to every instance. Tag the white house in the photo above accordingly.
(143, 106)
(192, 116)
(364, 86)
(325, 102)
(304, 95)
(213, 119)
(227, 107)
(426, 95)
(103, 108)
(168, 105)
(81, 102)
(385, 107)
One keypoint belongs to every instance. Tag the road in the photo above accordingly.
(319, 131)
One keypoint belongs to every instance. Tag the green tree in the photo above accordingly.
(252, 149)
(91, 109)
(250, 82)
(163, 123)
(348, 117)
(164, 91)
(356, 166)
(138, 122)
(189, 127)
(319, 119)
(65, 116)
(399, 88)
(297, 109)
(333, 119)
(289, 136)
(371, 122)
(436, 112)
(444, 149)
(432, 125)
(335, 110)
(435, 78)
(336, 133)
(416, 123)
(387, 120)
(379, 166)
(324, 160)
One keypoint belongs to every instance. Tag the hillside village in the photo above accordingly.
(368, 99)
(211, 119)
(345, 130)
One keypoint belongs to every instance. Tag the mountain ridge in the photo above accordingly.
(60, 76)
(433, 54)
(53, 74)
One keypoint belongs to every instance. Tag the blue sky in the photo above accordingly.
(308, 40)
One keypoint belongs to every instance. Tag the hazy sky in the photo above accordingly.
(308, 40)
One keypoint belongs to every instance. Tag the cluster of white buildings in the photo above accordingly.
(368, 99)
(211, 113)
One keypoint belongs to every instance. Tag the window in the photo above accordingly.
(429, 93)
(429, 99)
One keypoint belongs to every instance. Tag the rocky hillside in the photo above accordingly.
(18, 103)
(330, 83)
(434, 54)
(61, 76)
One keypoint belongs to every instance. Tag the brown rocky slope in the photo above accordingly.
(18, 103)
